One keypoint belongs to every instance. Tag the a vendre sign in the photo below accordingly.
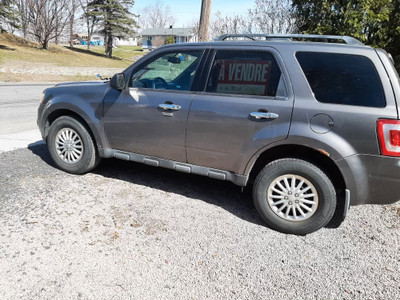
(243, 77)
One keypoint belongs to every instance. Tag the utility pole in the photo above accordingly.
(204, 20)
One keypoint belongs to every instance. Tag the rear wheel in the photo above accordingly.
(71, 146)
(294, 196)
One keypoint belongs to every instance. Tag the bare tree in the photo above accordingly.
(158, 41)
(73, 10)
(224, 24)
(195, 25)
(156, 16)
(47, 19)
(91, 20)
(271, 16)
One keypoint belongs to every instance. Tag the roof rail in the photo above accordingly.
(291, 37)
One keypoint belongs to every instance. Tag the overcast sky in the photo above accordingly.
(187, 13)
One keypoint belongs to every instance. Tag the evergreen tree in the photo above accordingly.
(8, 14)
(169, 40)
(115, 20)
(375, 23)
(392, 29)
(363, 19)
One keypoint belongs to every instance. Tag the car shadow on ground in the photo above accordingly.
(215, 192)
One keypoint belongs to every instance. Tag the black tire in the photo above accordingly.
(277, 216)
(88, 158)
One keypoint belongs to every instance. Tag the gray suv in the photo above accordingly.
(311, 122)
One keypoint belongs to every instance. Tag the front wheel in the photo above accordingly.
(294, 196)
(71, 146)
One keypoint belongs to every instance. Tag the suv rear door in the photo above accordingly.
(245, 104)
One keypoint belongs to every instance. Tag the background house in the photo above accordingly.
(132, 41)
(180, 35)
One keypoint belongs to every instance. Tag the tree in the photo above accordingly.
(363, 19)
(47, 19)
(169, 40)
(158, 41)
(23, 15)
(392, 27)
(73, 9)
(375, 23)
(91, 19)
(156, 16)
(115, 20)
(223, 24)
(271, 17)
(266, 16)
(195, 25)
(8, 14)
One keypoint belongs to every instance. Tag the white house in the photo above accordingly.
(132, 41)
(181, 35)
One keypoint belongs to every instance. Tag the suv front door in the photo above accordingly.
(246, 104)
(150, 117)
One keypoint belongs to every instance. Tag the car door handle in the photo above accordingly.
(264, 115)
(169, 106)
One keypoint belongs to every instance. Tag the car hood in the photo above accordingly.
(82, 83)
(88, 91)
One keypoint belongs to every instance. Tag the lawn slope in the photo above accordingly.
(16, 48)
(23, 60)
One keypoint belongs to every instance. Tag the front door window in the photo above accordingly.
(171, 71)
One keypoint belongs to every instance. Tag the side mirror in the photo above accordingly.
(118, 81)
(174, 60)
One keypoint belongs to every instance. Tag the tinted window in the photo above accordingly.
(172, 71)
(246, 72)
(342, 79)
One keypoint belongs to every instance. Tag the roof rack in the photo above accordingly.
(292, 37)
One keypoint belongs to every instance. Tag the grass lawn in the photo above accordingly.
(123, 52)
(13, 48)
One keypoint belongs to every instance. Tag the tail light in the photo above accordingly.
(389, 137)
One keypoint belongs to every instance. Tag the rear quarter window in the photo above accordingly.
(342, 79)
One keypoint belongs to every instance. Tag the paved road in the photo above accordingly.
(18, 106)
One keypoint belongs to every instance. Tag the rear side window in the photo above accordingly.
(342, 79)
(246, 72)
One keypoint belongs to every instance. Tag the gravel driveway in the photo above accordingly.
(129, 231)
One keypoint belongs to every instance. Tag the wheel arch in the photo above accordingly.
(319, 158)
(54, 115)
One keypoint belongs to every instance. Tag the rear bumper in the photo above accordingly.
(371, 179)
